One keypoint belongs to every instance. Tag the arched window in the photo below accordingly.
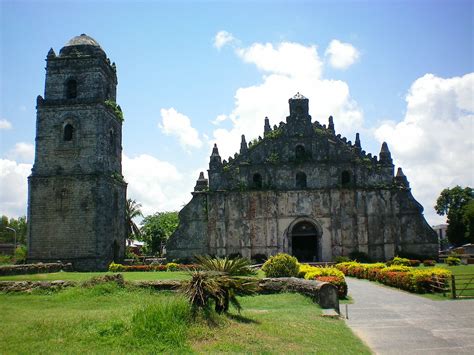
(71, 89)
(68, 132)
(345, 178)
(257, 181)
(300, 180)
(300, 152)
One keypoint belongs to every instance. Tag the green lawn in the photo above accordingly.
(458, 270)
(82, 276)
(110, 319)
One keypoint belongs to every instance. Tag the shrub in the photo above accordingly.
(281, 265)
(429, 262)
(359, 256)
(325, 274)
(113, 267)
(415, 263)
(20, 254)
(172, 267)
(452, 261)
(341, 259)
(400, 261)
(232, 267)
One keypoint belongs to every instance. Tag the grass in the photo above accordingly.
(109, 319)
(458, 270)
(82, 276)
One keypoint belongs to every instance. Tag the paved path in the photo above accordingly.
(391, 321)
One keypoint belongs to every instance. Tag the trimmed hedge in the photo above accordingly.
(113, 267)
(325, 274)
(404, 277)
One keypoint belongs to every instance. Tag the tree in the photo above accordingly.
(18, 224)
(455, 204)
(156, 229)
(132, 210)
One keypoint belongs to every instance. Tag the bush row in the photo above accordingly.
(113, 267)
(401, 276)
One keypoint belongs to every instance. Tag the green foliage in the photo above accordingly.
(18, 224)
(274, 134)
(281, 265)
(456, 204)
(341, 259)
(132, 211)
(325, 274)
(172, 267)
(400, 261)
(6, 259)
(452, 261)
(115, 108)
(229, 266)
(221, 289)
(273, 158)
(20, 254)
(113, 267)
(156, 229)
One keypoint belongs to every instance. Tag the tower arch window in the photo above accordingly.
(257, 181)
(71, 89)
(300, 180)
(68, 133)
(345, 178)
(300, 152)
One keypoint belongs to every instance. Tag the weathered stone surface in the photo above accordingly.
(306, 191)
(76, 199)
(28, 286)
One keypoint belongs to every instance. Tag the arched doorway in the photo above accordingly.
(304, 241)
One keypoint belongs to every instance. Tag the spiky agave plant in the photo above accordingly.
(231, 267)
(220, 282)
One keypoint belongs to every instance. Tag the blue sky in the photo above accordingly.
(400, 71)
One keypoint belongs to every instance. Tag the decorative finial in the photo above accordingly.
(267, 128)
(298, 96)
(243, 145)
(51, 53)
(331, 124)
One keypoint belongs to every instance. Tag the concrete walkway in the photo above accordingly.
(391, 321)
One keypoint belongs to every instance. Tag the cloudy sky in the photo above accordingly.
(195, 73)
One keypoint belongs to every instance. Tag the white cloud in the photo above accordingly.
(434, 142)
(219, 119)
(5, 124)
(289, 68)
(222, 38)
(341, 55)
(178, 125)
(13, 187)
(22, 151)
(156, 184)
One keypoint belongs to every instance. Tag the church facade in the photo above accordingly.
(302, 189)
(76, 191)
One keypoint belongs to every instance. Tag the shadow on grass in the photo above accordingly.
(241, 319)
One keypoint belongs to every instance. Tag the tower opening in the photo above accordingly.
(71, 89)
(300, 152)
(300, 180)
(68, 132)
(345, 178)
(257, 181)
(304, 241)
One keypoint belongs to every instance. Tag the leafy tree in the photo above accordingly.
(455, 204)
(18, 224)
(156, 229)
(468, 220)
(132, 210)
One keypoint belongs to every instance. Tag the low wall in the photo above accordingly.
(39, 268)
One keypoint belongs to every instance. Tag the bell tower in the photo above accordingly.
(76, 192)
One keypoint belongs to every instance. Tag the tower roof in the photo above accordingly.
(82, 45)
(82, 40)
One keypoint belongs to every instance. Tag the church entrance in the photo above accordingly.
(304, 241)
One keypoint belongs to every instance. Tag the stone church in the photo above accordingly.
(302, 189)
(76, 191)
